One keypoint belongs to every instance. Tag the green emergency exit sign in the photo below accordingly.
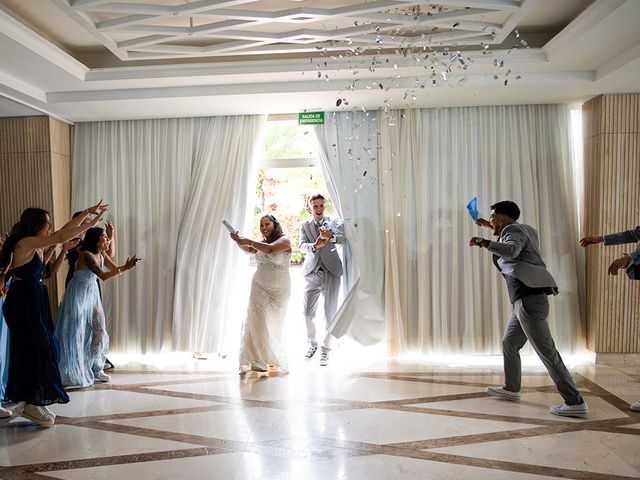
(311, 118)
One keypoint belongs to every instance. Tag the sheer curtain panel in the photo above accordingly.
(443, 296)
(169, 184)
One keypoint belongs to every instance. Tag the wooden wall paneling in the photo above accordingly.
(25, 181)
(35, 171)
(24, 134)
(612, 203)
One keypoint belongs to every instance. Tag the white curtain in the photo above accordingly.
(443, 296)
(349, 160)
(169, 184)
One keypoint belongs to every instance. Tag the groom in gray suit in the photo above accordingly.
(322, 271)
(516, 254)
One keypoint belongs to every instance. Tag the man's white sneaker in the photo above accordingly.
(37, 415)
(501, 392)
(101, 376)
(259, 367)
(4, 413)
(565, 410)
(324, 359)
(635, 406)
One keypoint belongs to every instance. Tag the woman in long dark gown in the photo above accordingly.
(34, 377)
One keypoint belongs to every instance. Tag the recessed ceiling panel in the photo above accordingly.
(175, 29)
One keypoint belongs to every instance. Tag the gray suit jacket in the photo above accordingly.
(630, 236)
(328, 255)
(519, 252)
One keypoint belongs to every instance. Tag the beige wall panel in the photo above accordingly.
(24, 134)
(60, 137)
(612, 204)
(61, 189)
(25, 181)
(32, 176)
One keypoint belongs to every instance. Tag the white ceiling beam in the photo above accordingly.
(15, 28)
(186, 10)
(502, 5)
(619, 61)
(176, 33)
(224, 32)
(134, 8)
(424, 19)
(595, 13)
(36, 100)
(372, 7)
(90, 27)
(457, 20)
(144, 72)
(250, 14)
(87, 4)
(513, 21)
(159, 10)
(263, 48)
(418, 41)
(336, 85)
(189, 50)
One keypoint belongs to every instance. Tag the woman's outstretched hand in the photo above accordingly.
(131, 262)
(586, 241)
(98, 209)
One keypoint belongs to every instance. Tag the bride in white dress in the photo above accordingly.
(270, 289)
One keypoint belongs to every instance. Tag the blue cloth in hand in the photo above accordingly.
(472, 207)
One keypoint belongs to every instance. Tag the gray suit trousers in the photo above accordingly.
(529, 322)
(320, 281)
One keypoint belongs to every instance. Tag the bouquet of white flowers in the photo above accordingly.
(336, 225)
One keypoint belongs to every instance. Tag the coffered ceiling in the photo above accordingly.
(219, 28)
(104, 59)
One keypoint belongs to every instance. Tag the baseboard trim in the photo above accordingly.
(618, 359)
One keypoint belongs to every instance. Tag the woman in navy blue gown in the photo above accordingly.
(34, 377)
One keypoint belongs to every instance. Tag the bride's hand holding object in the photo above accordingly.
(244, 241)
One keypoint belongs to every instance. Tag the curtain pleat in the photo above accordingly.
(349, 159)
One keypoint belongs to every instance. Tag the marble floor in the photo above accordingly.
(385, 420)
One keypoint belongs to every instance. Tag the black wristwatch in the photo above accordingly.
(479, 241)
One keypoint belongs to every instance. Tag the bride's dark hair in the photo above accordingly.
(277, 229)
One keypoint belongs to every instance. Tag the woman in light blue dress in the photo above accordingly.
(80, 328)
(4, 346)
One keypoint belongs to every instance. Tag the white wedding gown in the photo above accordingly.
(263, 328)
